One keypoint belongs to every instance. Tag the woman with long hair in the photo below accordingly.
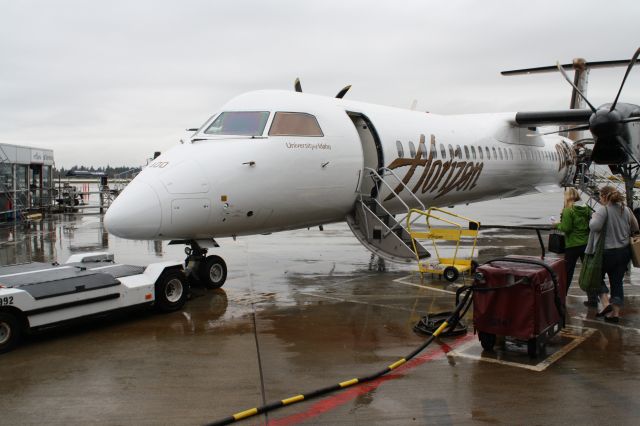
(574, 223)
(620, 224)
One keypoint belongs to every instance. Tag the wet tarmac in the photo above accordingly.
(307, 309)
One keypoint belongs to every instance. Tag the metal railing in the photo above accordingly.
(377, 177)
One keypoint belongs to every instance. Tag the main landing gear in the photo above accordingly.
(210, 271)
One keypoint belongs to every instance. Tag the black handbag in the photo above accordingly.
(556, 243)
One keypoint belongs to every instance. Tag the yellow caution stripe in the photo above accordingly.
(244, 414)
(397, 364)
(348, 383)
(292, 399)
(441, 328)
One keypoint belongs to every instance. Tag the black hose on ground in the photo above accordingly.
(461, 307)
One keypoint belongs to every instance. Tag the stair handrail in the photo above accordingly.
(374, 174)
(404, 186)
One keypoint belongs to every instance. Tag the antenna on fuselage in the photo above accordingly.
(297, 85)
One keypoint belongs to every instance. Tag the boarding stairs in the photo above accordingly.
(379, 230)
(589, 178)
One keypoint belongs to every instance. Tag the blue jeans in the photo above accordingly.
(614, 264)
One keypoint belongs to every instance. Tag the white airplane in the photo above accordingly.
(276, 160)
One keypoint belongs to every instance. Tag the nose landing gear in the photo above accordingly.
(210, 271)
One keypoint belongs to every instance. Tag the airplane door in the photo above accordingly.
(371, 150)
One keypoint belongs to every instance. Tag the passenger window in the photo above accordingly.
(466, 152)
(480, 152)
(239, 123)
(500, 153)
(488, 153)
(412, 150)
(452, 154)
(295, 124)
(400, 149)
(473, 153)
(510, 154)
(495, 155)
(458, 152)
(423, 150)
(443, 152)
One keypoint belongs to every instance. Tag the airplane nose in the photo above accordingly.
(136, 213)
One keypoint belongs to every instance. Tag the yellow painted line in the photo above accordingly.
(359, 302)
(397, 364)
(293, 399)
(542, 365)
(442, 327)
(348, 383)
(426, 287)
(608, 324)
(244, 414)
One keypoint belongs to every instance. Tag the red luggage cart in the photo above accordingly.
(521, 297)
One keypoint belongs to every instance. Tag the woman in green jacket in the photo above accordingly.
(574, 223)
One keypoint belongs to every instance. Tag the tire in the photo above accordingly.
(532, 347)
(172, 291)
(10, 331)
(537, 347)
(213, 272)
(450, 273)
(487, 340)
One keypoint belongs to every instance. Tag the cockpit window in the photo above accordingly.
(295, 124)
(242, 123)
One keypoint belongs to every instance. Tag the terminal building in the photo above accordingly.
(26, 180)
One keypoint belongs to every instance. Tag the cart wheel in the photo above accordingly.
(535, 347)
(450, 273)
(487, 340)
(171, 291)
(9, 331)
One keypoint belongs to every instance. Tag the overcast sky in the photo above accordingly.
(109, 82)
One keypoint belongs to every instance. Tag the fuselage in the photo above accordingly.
(276, 160)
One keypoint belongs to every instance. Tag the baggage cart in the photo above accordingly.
(519, 297)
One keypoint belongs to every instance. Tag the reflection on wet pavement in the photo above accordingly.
(302, 310)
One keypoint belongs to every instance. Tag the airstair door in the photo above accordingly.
(371, 150)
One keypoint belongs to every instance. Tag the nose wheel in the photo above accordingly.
(208, 271)
(213, 272)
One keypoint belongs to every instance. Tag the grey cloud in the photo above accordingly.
(114, 81)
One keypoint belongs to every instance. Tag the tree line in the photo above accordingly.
(111, 172)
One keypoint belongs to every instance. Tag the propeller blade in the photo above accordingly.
(566, 77)
(343, 92)
(584, 127)
(631, 63)
(297, 85)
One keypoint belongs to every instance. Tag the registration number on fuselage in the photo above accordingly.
(7, 300)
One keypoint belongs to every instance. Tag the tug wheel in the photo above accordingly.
(171, 291)
(213, 272)
(450, 273)
(9, 331)
(487, 340)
